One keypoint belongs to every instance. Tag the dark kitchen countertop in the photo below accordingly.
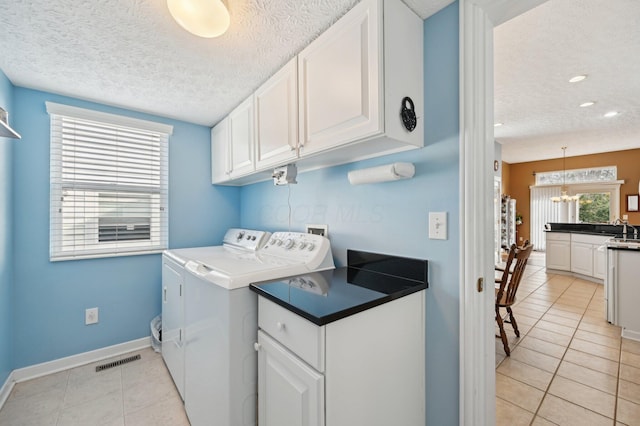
(324, 297)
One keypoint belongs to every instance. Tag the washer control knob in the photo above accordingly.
(288, 243)
(302, 245)
(311, 246)
(240, 235)
(279, 242)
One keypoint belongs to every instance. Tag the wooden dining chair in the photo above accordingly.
(508, 286)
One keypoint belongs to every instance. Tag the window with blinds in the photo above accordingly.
(109, 184)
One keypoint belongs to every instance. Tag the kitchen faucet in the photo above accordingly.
(624, 224)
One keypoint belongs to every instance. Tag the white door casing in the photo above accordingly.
(477, 357)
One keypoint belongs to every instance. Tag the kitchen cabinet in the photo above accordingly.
(220, 152)
(586, 258)
(350, 85)
(354, 76)
(173, 320)
(581, 258)
(579, 253)
(558, 252)
(364, 369)
(241, 138)
(276, 118)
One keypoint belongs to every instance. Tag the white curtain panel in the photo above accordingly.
(543, 211)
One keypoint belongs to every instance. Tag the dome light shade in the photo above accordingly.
(204, 18)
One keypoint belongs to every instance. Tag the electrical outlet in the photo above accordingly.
(91, 316)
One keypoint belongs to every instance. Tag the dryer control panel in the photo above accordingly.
(246, 238)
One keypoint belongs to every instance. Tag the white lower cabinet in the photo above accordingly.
(293, 392)
(558, 251)
(582, 254)
(365, 369)
(582, 258)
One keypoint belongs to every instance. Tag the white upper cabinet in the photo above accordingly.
(354, 77)
(241, 139)
(340, 82)
(344, 98)
(220, 152)
(276, 118)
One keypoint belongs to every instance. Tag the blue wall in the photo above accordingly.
(6, 228)
(51, 297)
(392, 217)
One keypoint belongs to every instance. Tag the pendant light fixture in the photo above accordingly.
(204, 18)
(564, 198)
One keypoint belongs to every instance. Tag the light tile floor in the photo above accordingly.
(138, 393)
(569, 366)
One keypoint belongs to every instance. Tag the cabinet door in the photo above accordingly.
(241, 139)
(276, 111)
(582, 258)
(173, 322)
(558, 255)
(289, 391)
(340, 79)
(599, 262)
(220, 152)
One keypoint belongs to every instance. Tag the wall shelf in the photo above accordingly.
(8, 132)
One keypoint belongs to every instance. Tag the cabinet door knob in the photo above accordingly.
(280, 326)
(257, 346)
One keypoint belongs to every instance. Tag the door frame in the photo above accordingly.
(477, 353)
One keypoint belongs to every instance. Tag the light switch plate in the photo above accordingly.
(437, 225)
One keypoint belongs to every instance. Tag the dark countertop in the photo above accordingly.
(590, 229)
(324, 297)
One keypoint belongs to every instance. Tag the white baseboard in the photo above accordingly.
(38, 370)
(629, 334)
(6, 388)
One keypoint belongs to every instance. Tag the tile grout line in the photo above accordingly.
(546, 392)
(555, 374)
(566, 349)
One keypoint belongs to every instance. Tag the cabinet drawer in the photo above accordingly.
(300, 336)
(557, 236)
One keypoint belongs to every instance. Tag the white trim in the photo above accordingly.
(6, 388)
(629, 334)
(477, 349)
(118, 120)
(39, 370)
(477, 359)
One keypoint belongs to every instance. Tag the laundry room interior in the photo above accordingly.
(281, 213)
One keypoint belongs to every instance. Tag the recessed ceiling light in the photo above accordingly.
(498, 124)
(587, 104)
(611, 114)
(577, 78)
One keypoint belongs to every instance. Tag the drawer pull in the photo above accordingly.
(280, 326)
(257, 346)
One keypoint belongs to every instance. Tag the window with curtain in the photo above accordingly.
(109, 184)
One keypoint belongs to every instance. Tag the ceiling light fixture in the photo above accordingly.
(587, 104)
(577, 78)
(498, 124)
(611, 114)
(204, 18)
(564, 198)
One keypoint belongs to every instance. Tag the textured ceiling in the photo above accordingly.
(132, 54)
(536, 54)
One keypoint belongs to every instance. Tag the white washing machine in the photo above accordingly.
(220, 319)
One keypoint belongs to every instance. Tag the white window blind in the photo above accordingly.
(543, 211)
(109, 184)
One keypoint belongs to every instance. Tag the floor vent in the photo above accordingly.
(117, 363)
